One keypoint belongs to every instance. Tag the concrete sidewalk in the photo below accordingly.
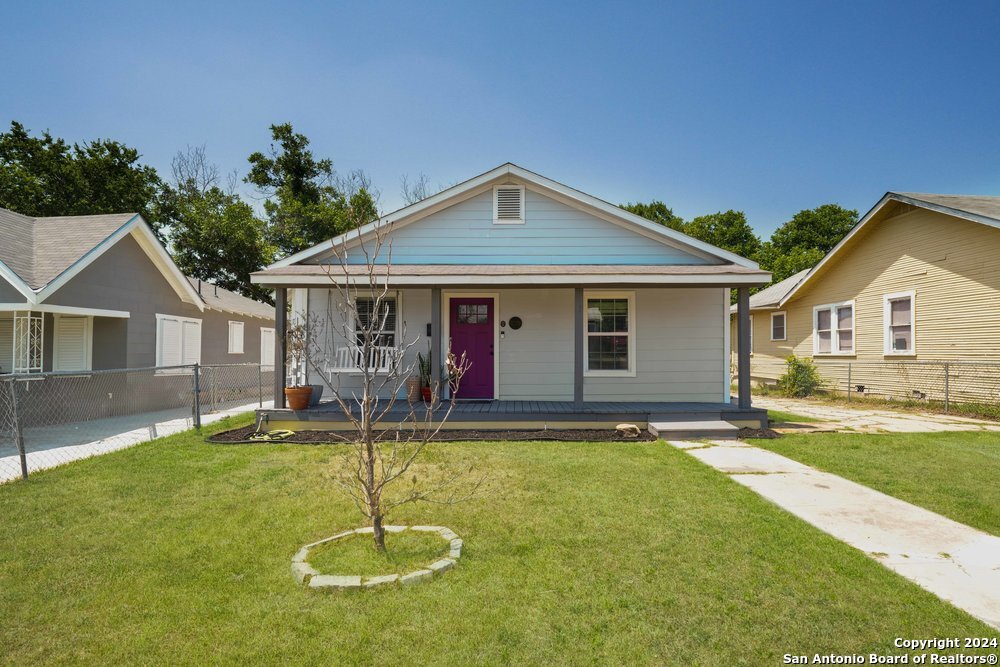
(955, 562)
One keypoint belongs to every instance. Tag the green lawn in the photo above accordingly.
(956, 474)
(178, 552)
(404, 553)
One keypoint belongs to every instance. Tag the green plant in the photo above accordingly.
(424, 366)
(801, 379)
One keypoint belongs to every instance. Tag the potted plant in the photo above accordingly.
(424, 364)
(297, 396)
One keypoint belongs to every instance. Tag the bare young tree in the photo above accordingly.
(386, 445)
(415, 190)
(193, 172)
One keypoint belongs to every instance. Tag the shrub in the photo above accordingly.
(801, 379)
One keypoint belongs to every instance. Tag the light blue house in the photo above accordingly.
(571, 310)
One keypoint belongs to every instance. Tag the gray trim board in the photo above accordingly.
(280, 346)
(743, 349)
(578, 346)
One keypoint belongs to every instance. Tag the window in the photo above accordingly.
(235, 337)
(6, 345)
(610, 334)
(778, 326)
(833, 328)
(71, 345)
(385, 321)
(267, 347)
(508, 205)
(178, 341)
(898, 318)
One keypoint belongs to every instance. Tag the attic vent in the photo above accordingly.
(508, 204)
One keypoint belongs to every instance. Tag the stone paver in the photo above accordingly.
(416, 577)
(335, 582)
(955, 562)
(868, 420)
(371, 582)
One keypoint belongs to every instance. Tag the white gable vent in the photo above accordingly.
(508, 205)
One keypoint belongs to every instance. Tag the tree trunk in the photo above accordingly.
(379, 534)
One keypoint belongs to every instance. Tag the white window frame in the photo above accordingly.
(496, 212)
(397, 332)
(784, 325)
(181, 320)
(88, 342)
(835, 350)
(264, 330)
(751, 335)
(25, 333)
(631, 334)
(887, 299)
(241, 326)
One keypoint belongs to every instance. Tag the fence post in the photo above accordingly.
(947, 375)
(848, 382)
(196, 403)
(260, 385)
(18, 431)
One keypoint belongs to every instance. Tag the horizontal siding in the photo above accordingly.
(952, 265)
(536, 361)
(680, 349)
(553, 233)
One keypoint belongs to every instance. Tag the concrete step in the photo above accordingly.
(680, 430)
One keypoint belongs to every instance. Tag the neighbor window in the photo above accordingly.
(898, 317)
(385, 321)
(6, 345)
(71, 344)
(833, 328)
(235, 337)
(267, 347)
(778, 326)
(178, 340)
(610, 333)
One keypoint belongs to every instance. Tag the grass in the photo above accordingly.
(954, 473)
(178, 551)
(778, 417)
(404, 552)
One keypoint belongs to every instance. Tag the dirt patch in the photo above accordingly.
(242, 435)
(758, 433)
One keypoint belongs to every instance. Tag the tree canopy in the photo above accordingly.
(45, 176)
(658, 212)
(820, 228)
(728, 230)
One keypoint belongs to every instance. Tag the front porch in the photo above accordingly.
(508, 414)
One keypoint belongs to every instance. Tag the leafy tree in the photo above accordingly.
(658, 212)
(728, 230)
(306, 202)
(818, 228)
(214, 234)
(783, 264)
(45, 176)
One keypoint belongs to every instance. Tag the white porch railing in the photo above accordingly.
(351, 358)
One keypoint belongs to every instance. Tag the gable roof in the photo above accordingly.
(982, 209)
(218, 298)
(571, 196)
(771, 296)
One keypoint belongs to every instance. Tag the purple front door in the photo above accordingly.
(471, 332)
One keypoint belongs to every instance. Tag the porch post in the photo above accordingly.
(436, 356)
(743, 346)
(578, 347)
(281, 330)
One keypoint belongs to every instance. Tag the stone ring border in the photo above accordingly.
(307, 576)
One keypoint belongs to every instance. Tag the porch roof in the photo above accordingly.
(401, 275)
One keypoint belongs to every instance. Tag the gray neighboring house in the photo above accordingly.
(95, 292)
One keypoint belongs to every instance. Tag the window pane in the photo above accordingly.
(607, 353)
(607, 315)
(778, 327)
(902, 339)
(846, 341)
(823, 319)
(899, 311)
(845, 317)
(366, 311)
(823, 341)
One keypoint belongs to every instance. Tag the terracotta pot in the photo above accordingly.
(425, 392)
(412, 390)
(298, 397)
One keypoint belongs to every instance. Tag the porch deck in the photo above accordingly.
(504, 414)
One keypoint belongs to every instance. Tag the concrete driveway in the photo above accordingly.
(867, 420)
(955, 562)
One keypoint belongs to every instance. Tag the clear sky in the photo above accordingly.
(761, 106)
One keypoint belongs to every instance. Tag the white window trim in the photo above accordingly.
(751, 335)
(496, 213)
(156, 338)
(630, 295)
(88, 342)
(784, 314)
(263, 330)
(887, 318)
(397, 296)
(242, 328)
(834, 338)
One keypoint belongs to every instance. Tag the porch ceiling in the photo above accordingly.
(401, 275)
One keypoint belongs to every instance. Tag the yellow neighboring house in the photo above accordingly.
(916, 280)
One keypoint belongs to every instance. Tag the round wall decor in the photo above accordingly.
(515, 323)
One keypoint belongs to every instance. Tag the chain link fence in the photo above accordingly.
(47, 419)
(947, 384)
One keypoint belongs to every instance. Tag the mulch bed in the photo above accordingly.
(242, 435)
(760, 433)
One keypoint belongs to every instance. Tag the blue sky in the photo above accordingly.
(764, 107)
